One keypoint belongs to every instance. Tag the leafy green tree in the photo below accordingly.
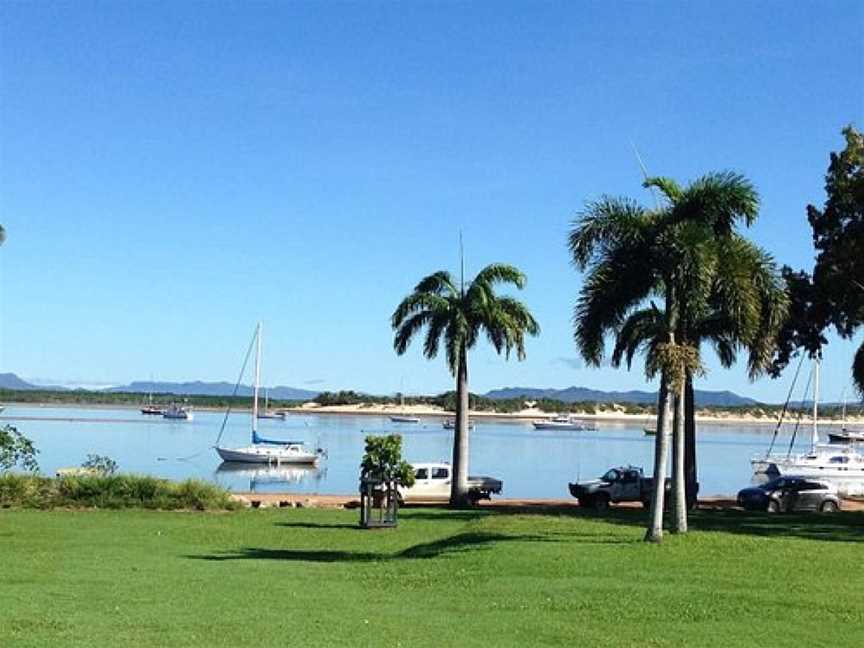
(833, 296)
(382, 461)
(16, 450)
(457, 316)
(684, 253)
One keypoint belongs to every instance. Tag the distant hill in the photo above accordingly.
(11, 381)
(583, 394)
(198, 388)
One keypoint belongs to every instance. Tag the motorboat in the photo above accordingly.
(178, 413)
(264, 450)
(563, 422)
(450, 424)
(649, 431)
(151, 410)
(846, 436)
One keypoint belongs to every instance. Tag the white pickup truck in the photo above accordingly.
(432, 484)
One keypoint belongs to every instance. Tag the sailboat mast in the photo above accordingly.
(257, 378)
(815, 439)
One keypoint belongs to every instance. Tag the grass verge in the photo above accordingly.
(460, 578)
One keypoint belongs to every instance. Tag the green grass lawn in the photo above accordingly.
(310, 577)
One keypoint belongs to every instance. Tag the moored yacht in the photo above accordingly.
(563, 422)
(266, 451)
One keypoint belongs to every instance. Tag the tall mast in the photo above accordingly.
(815, 440)
(257, 378)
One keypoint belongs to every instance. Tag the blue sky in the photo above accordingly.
(172, 173)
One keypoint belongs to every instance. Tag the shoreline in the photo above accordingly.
(436, 414)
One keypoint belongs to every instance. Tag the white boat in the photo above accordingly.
(563, 422)
(266, 451)
(842, 465)
(403, 418)
(450, 424)
(266, 413)
(399, 418)
(178, 413)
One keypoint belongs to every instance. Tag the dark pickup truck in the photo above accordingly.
(621, 484)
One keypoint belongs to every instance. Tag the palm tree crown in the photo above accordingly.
(458, 316)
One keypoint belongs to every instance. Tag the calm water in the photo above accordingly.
(531, 463)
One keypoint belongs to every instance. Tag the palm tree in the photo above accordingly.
(457, 316)
(677, 253)
(750, 276)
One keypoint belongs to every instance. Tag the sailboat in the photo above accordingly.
(267, 451)
(266, 413)
(403, 417)
(843, 465)
(150, 408)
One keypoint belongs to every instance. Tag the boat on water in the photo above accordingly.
(266, 413)
(150, 409)
(845, 436)
(841, 464)
(563, 422)
(649, 431)
(403, 417)
(263, 450)
(450, 424)
(177, 413)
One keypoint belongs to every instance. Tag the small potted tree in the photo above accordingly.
(382, 472)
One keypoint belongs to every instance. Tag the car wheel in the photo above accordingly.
(773, 506)
(601, 503)
(646, 502)
(828, 506)
(585, 501)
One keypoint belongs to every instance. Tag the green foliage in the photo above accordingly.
(457, 317)
(112, 492)
(345, 398)
(833, 296)
(101, 464)
(16, 450)
(382, 461)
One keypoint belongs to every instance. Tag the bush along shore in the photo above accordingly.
(111, 492)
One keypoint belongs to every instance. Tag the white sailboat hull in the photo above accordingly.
(268, 454)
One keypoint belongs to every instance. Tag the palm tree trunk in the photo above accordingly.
(661, 451)
(690, 472)
(459, 485)
(679, 492)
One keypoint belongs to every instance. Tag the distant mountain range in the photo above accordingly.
(569, 395)
(196, 388)
(583, 394)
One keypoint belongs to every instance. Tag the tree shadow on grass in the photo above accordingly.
(437, 548)
(317, 525)
(833, 527)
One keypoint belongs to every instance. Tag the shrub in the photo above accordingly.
(101, 464)
(112, 491)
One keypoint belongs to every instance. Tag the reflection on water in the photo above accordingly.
(268, 478)
(532, 463)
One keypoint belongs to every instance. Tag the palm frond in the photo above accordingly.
(640, 329)
(417, 302)
(720, 200)
(438, 283)
(667, 186)
(605, 224)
